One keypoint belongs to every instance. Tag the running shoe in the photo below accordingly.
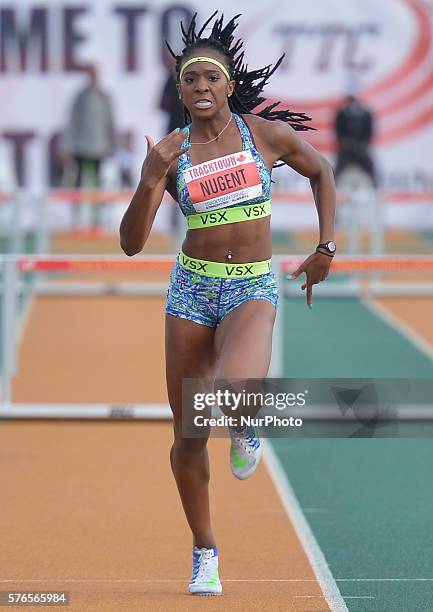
(245, 452)
(205, 579)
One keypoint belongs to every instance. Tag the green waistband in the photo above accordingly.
(224, 270)
(229, 215)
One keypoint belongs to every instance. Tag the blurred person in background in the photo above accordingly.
(90, 135)
(89, 139)
(354, 128)
(355, 174)
(170, 101)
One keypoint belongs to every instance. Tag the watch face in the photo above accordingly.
(331, 246)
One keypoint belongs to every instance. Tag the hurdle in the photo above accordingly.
(12, 267)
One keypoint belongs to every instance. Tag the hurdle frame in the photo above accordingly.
(12, 265)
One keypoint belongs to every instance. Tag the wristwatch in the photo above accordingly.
(330, 247)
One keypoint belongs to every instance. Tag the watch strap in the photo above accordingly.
(324, 253)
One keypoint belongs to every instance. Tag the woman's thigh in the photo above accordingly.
(189, 353)
(243, 341)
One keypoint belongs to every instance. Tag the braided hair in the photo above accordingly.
(249, 84)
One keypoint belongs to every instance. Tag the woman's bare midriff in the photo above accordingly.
(246, 242)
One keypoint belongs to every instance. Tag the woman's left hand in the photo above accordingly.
(316, 268)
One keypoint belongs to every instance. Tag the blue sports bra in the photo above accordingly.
(238, 179)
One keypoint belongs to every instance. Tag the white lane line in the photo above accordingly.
(312, 550)
(399, 326)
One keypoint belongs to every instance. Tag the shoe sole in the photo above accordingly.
(207, 593)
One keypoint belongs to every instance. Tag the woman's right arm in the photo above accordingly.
(140, 214)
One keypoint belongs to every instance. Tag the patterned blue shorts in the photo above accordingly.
(208, 299)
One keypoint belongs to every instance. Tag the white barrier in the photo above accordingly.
(12, 266)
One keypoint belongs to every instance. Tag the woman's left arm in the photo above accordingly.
(303, 158)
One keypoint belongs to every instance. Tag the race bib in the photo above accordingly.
(223, 182)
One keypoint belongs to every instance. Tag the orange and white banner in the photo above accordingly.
(384, 46)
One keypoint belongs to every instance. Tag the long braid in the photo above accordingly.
(249, 84)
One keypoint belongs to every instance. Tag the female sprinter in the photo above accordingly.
(222, 296)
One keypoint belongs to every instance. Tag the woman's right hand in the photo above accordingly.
(160, 156)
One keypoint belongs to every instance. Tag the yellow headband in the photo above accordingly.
(204, 59)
